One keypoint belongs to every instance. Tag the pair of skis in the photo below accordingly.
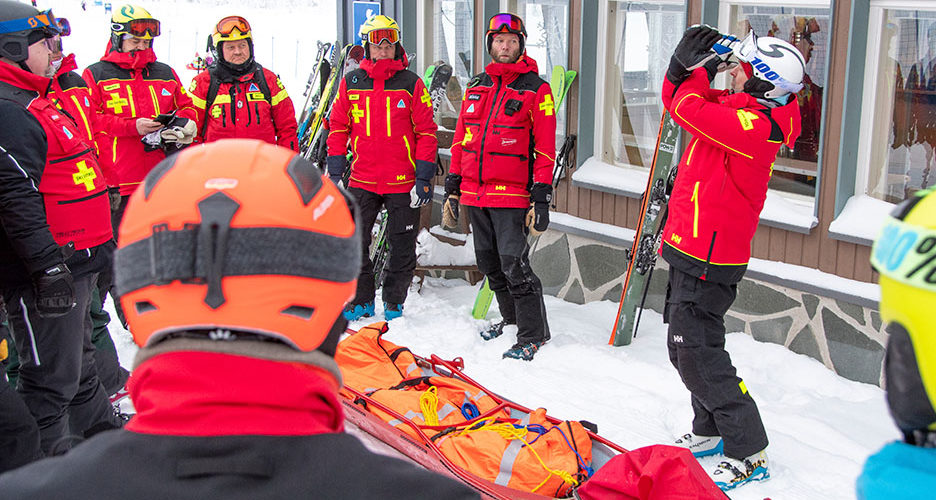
(560, 82)
(436, 79)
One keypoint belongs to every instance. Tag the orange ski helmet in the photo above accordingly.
(237, 236)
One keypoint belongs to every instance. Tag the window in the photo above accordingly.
(547, 25)
(807, 26)
(641, 37)
(452, 42)
(899, 109)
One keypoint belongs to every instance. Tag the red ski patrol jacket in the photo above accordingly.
(505, 139)
(245, 107)
(384, 114)
(72, 186)
(70, 93)
(722, 180)
(126, 86)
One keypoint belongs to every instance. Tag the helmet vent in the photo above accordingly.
(144, 306)
(216, 212)
(301, 312)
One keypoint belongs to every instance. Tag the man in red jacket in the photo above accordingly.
(129, 88)
(236, 384)
(713, 212)
(383, 114)
(502, 157)
(56, 236)
(238, 98)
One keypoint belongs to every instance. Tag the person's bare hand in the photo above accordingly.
(145, 126)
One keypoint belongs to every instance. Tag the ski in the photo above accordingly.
(643, 251)
(312, 142)
(312, 91)
(441, 74)
(560, 82)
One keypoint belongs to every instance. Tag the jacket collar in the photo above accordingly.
(509, 71)
(24, 79)
(68, 64)
(137, 59)
(382, 69)
(189, 393)
(786, 116)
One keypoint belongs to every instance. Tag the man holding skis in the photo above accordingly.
(714, 209)
(502, 159)
(383, 115)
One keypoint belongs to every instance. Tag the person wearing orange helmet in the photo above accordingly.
(234, 264)
(238, 98)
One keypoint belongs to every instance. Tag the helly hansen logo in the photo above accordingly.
(678, 339)
(409, 227)
(500, 188)
(676, 238)
(401, 177)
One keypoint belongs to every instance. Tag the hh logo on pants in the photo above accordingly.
(677, 339)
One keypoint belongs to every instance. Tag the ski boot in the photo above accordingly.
(494, 331)
(392, 311)
(701, 446)
(731, 472)
(354, 312)
(523, 351)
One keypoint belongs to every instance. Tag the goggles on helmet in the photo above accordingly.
(137, 27)
(227, 26)
(63, 25)
(44, 21)
(379, 35)
(746, 51)
(506, 23)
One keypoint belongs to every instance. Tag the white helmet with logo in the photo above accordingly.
(776, 66)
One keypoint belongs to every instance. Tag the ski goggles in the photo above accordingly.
(747, 51)
(44, 21)
(139, 28)
(506, 23)
(63, 25)
(377, 36)
(227, 26)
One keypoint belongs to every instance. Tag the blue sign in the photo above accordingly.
(360, 12)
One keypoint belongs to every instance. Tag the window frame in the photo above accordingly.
(870, 82)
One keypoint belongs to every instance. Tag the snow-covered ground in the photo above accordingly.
(821, 426)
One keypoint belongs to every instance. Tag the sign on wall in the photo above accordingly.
(360, 12)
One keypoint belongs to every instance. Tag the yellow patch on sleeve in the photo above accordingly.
(547, 105)
(192, 86)
(747, 119)
(743, 387)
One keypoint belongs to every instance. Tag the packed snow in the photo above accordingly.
(821, 426)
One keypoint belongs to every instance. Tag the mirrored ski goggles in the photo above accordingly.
(44, 20)
(139, 28)
(506, 23)
(63, 25)
(54, 44)
(377, 36)
(227, 25)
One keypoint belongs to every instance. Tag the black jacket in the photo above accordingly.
(26, 244)
(120, 465)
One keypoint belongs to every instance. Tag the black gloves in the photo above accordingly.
(55, 291)
(336, 165)
(693, 51)
(538, 217)
(421, 194)
(453, 184)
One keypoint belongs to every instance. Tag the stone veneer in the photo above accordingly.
(847, 338)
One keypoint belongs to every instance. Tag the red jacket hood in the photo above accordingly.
(24, 79)
(68, 64)
(189, 393)
(384, 68)
(137, 59)
(509, 71)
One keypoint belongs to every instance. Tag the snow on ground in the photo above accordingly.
(821, 426)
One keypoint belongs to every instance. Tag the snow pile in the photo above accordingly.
(821, 426)
(430, 251)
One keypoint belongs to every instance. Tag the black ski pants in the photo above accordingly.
(402, 228)
(57, 377)
(695, 310)
(19, 435)
(502, 252)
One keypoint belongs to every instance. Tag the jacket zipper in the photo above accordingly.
(484, 136)
(257, 111)
(232, 92)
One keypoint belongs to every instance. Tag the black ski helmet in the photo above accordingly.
(15, 42)
(505, 22)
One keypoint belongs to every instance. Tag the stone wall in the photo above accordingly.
(847, 338)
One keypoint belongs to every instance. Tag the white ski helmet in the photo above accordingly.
(775, 67)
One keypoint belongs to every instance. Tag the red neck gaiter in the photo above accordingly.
(189, 393)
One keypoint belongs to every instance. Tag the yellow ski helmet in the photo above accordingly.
(135, 21)
(377, 29)
(905, 256)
